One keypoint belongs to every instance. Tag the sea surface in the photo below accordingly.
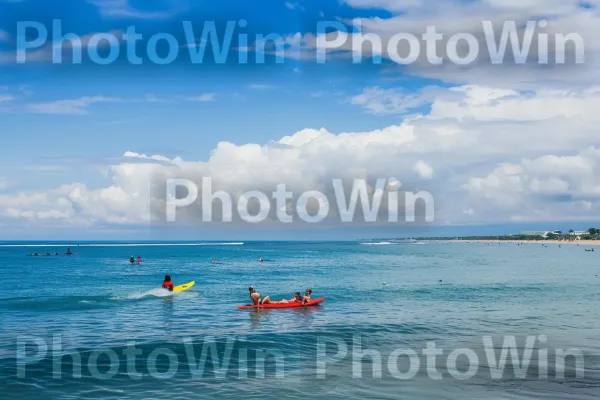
(91, 325)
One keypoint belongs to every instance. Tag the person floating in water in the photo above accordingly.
(214, 260)
(168, 283)
(139, 260)
(69, 251)
(255, 297)
(261, 259)
(131, 260)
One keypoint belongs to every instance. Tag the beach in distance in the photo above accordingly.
(559, 242)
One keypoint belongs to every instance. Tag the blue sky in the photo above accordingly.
(72, 124)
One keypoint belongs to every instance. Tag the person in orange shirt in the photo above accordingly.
(168, 283)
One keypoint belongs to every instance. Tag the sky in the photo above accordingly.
(86, 147)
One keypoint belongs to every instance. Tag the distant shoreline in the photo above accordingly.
(569, 242)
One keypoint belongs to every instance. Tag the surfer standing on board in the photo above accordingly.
(255, 297)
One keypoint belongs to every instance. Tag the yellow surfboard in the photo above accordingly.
(181, 288)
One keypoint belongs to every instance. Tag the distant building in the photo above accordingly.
(578, 233)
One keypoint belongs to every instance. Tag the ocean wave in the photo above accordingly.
(66, 303)
(377, 243)
(159, 292)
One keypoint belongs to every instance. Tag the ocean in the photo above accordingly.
(400, 321)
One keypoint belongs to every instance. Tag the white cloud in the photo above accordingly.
(480, 158)
(391, 101)
(294, 6)
(489, 104)
(564, 17)
(423, 169)
(70, 107)
(123, 9)
(203, 98)
(544, 188)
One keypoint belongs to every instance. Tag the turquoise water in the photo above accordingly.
(449, 294)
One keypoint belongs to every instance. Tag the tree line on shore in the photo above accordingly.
(590, 234)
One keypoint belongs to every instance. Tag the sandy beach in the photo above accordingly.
(559, 242)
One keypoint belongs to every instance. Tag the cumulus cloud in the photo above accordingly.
(570, 21)
(486, 154)
(547, 187)
(424, 170)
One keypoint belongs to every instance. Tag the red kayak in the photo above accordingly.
(314, 302)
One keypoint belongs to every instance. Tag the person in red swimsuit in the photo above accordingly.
(168, 283)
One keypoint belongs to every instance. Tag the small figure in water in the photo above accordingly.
(139, 260)
(131, 260)
(214, 260)
(168, 283)
(69, 251)
(261, 259)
